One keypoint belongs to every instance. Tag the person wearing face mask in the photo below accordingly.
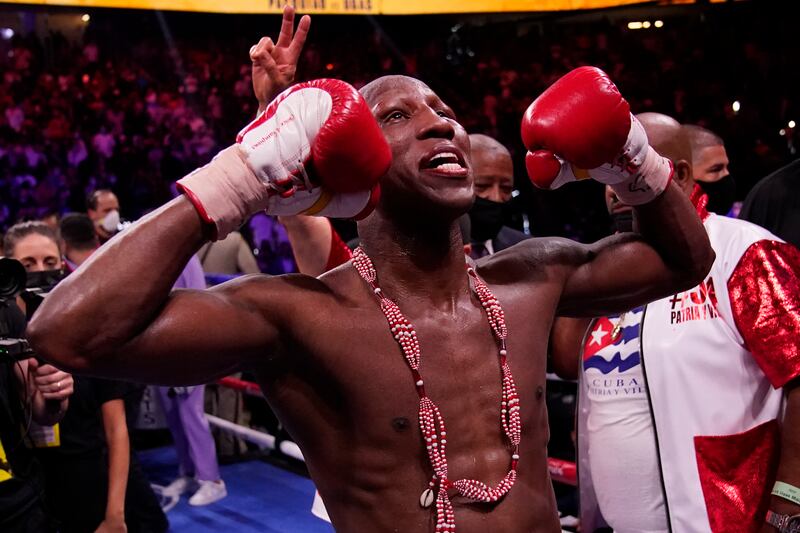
(34, 397)
(494, 181)
(103, 209)
(688, 407)
(710, 168)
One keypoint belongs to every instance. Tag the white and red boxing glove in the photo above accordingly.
(315, 150)
(581, 127)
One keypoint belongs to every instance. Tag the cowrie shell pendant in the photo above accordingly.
(426, 499)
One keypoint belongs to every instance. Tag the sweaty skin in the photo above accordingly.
(321, 347)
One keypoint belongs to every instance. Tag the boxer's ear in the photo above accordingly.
(683, 176)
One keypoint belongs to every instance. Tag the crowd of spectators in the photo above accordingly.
(143, 98)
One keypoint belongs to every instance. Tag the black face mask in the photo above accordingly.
(487, 218)
(721, 194)
(622, 221)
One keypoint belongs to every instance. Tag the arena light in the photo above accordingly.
(782, 132)
(736, 106)
(7, 33)
(86, 17)
(634, 25)
(792, 124)
(659, 24)
(646, 24)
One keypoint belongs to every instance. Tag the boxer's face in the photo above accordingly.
(430, 149)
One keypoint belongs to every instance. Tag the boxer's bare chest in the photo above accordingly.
(350, 363)
(350, 401)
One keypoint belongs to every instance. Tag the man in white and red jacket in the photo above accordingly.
(681, 410)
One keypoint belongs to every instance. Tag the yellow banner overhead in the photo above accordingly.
(342, 7)
(430, 7)
(330, 7)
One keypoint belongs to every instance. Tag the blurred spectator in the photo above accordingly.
(231, 255)
(274, 250)
(710, 166)
(774, 203)
(493, 171)
(103, 210)
(142, 510)
(114, 111)
(79, 239)
(198, 470)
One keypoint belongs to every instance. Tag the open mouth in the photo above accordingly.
(445, 162)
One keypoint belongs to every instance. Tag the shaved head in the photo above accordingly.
(419, 126)
(666, 136)
(669, 138)
(484, 143)
(375, 88)
(492, 167)
(702, 138)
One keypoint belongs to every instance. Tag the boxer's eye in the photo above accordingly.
(394, 116)
(446, 113)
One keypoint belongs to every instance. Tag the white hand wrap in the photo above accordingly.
(640, 174)
(267, 169)
(224, 191)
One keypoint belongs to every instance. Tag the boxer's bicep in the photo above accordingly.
(615, 275)
(198, 336)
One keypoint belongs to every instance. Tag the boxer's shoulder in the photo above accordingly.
(532, 259)
(276, 295)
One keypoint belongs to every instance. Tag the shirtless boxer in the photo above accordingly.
(321, 348)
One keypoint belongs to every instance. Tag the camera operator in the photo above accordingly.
(29, 392)
(86, 466)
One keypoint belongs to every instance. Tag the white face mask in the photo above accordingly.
(110, 222)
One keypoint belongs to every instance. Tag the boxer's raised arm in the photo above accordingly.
(116, 317)
(671, 254)
(581, 128)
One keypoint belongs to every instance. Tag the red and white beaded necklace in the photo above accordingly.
(430, 419)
